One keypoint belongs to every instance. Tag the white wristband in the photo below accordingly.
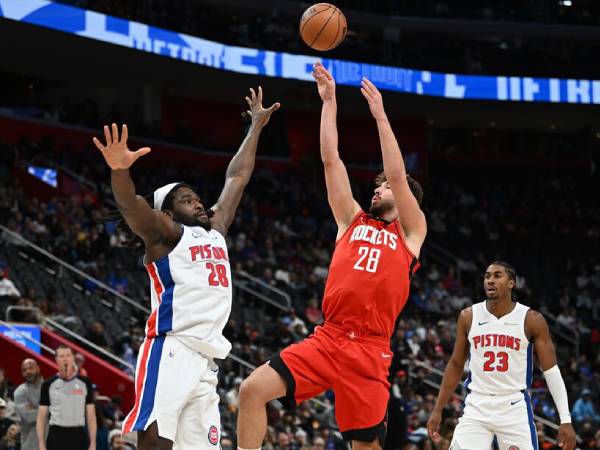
(556, 386)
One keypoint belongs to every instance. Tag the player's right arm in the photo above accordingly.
(538, 332)
(339, 192)
(151, 225)
(453, 372)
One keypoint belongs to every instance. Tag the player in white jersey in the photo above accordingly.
(498, 336)
(186, 258)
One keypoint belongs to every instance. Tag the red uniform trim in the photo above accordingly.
(139, 386)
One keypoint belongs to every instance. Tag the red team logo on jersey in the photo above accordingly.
(513, 447)
(213, 435)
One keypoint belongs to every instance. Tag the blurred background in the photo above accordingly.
(495, 105)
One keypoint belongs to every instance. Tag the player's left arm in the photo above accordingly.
(411, 217)
(537, 331)
(90, 413)
(241, 166)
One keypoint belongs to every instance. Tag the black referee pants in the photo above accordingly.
(63, 438)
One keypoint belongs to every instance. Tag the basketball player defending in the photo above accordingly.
(498, 336)
(177, 405)
(376, 254)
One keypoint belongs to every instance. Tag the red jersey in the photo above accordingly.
(369, 277)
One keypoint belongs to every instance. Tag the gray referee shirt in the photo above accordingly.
(66, 400)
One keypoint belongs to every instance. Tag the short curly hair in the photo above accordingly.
(414, 185)
(510, 270)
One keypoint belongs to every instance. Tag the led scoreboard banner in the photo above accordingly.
(138, 36)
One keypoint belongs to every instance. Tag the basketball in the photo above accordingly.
(323, 26)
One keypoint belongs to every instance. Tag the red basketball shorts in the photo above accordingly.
(356, 368)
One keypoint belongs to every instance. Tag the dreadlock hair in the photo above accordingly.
(413, 184)
(512, 275)
(132, 240)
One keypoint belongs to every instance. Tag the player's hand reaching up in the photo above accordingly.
(325, 82)
(566, 437)
(433, 426)
(260, 115)
(373, 97)
(115, 152)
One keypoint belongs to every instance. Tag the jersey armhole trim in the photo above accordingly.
(527, 309)
(354, 219)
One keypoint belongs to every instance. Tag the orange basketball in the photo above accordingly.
(323, 26)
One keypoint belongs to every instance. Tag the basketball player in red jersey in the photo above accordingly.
(375, 256)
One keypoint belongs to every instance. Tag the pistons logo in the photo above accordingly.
(213, 435)
(513, 447)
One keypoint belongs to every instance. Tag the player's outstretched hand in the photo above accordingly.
(373, 97)
(115, 152)
(433, 426)
(566, 437)
(325, 82)
(260, 116)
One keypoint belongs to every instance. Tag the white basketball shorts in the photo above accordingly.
(176, 388)
(507, 417)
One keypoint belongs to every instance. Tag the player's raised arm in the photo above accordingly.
(241, 166)
(339, 193)
(411, 217)
(538, 332)
(149, 224)
(453, 372)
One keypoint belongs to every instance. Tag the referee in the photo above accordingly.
(68, 398)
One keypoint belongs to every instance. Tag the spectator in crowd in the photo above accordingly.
(313, 312)
(318, 444)
(70, 406)
(584, 410)
(11, 440)
(27, 398)
(283, 441)
(113, 411)
(5, 422)
(116, 441)
(96, 335)
(80, 362)
(6, 387)
(232, 398)
(103, 424)
(8, 290)
(6, 393)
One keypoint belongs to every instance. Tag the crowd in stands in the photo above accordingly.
(283, 234)
(391, 45)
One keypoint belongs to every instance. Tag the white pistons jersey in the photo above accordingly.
(501, 356)
(190, 291)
